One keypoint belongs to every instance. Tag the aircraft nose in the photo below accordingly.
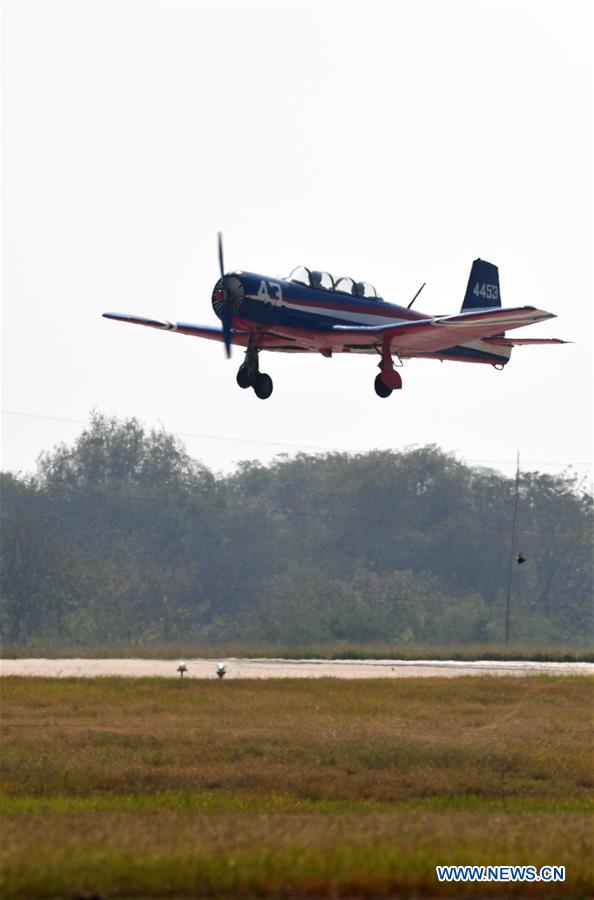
(227, 295)
(219, 295)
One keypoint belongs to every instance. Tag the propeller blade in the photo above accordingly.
(225, 314)
(220, 240)
(226, 317)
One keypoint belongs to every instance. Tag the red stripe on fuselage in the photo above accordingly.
(388, 311)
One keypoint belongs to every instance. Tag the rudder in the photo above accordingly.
(482, 291)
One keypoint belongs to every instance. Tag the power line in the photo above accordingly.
(210, 437)
(240, 440)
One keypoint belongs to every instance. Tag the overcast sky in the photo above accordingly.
(394, 142)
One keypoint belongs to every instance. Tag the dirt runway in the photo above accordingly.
(284, 668)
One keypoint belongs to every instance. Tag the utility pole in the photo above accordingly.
(511, 549)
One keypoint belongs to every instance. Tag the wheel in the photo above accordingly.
(381, 389)
(244, 377)
(263, 386)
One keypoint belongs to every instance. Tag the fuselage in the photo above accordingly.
(276, 301)
(262, 301)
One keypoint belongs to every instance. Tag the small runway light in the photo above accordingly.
(221, 670)
(520, 558)
(182, 668)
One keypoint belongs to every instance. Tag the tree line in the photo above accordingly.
(123, 537)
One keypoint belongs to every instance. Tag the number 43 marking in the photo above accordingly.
(488, 291)
(276, 299)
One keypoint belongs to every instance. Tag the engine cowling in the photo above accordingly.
(227, 296)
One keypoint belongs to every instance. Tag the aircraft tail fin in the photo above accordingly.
(482, 291)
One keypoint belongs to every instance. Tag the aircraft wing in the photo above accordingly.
(432, 334)
(268, 340)
(204, 331)
(421, 336)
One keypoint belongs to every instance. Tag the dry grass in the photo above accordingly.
(149, 788)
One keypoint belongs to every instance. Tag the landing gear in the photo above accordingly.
(244, 377)
(381, 389)
(249, 375)
(388, 379)
(263, 386)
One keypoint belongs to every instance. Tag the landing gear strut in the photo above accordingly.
(388, 379)
(249, 375)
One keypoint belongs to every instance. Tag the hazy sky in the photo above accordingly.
(394, 142)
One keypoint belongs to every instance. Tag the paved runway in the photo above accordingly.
(284, 668)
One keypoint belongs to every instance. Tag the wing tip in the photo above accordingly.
(119, 317)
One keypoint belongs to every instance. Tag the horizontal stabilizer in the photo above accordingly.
(522, 342)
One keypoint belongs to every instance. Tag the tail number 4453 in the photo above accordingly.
(488, 291)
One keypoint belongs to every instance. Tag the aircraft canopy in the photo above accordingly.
(324, 281)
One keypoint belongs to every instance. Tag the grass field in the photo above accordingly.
(325, 788)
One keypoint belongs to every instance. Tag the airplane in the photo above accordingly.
(309, 311)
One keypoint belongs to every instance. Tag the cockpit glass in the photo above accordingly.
(346, 286)
(366, 290)
(300, 275)
(323, 280)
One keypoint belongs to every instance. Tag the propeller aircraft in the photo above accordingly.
(311, 312)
